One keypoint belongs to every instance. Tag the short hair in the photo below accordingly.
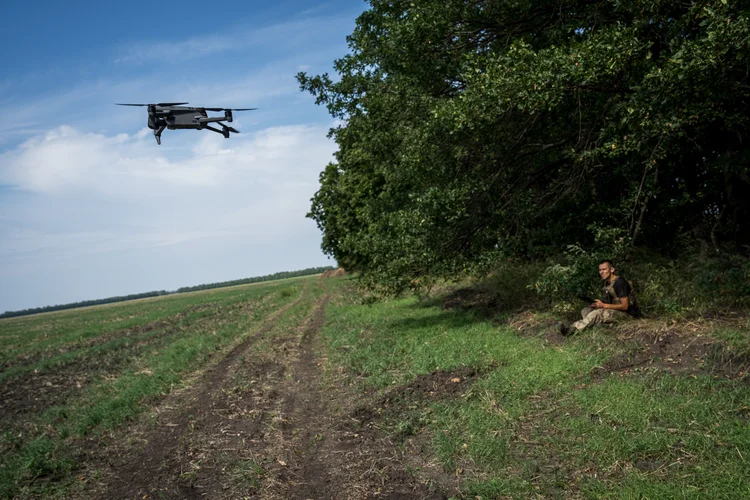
(607, 261)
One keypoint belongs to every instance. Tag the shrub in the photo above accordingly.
(691, 284)
(563, 283)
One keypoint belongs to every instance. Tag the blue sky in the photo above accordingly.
(91, 207)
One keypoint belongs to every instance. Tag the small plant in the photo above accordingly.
(249, 473)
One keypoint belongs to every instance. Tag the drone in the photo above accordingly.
(175, 116)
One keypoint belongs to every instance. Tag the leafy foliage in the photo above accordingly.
(691, 285)
(576, 276)
(471, 129)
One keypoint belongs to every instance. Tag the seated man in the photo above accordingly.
(618, 302)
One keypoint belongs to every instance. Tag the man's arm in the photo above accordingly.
(622, 306)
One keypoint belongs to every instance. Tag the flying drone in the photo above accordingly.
(175, 116)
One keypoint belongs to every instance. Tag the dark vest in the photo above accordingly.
(611, 297)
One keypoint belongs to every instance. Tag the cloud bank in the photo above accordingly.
(74, 198)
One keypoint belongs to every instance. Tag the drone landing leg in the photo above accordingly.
(224, 132)
(157, 134)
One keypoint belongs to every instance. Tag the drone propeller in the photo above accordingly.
(229, 109)
(157, 104)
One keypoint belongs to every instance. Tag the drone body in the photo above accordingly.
(174, 116)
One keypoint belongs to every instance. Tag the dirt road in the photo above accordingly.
(264, 422)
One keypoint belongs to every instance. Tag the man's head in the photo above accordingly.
(606, 269)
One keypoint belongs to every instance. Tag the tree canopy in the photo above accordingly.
(469, 128)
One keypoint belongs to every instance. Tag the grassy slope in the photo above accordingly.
(544, 418)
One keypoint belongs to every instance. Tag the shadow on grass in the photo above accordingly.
(448, 319)
(482, 302)
(464, 307)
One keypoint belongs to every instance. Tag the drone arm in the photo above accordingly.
(203, 120)
(226, 118)
(224, 132)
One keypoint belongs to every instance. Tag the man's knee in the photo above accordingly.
(610, 316)
(599, 314)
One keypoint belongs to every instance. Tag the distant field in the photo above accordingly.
(148, 295)
(294, 389)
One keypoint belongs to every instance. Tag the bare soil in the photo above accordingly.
(33, 392)
(684, 347)
(266, 421)
(333, 273)
(678, 349)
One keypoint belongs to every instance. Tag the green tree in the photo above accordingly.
(470, 128)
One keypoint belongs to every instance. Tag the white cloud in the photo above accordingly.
(148, 196)
(175, 51)
(67, 160)
(287, 34)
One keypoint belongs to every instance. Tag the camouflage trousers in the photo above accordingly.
(591, 317)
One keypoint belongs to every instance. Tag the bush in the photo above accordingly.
(724, 280)
(562, 283)
(689, 285)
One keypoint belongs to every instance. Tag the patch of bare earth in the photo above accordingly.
(33, 392)
(266, 423)
(316, 447)
(157, 458)
(686, 347)
(334, 273)
(677, 347)
(527, 324)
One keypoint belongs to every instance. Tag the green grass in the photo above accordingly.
(40, 460)
(247, 473)
(538, 421)
(45, 334)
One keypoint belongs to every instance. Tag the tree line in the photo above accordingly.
(123, 298)
(472, 129)
(269, 277)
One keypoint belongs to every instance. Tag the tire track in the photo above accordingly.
(319, 451)
(263, 424)
(159, 468)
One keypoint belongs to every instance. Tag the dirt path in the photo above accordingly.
(263, 423)
(322, 450)
(163, 464)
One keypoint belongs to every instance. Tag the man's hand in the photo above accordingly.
(622, 306)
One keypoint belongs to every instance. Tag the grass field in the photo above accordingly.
(293, 388)
(603, 414)
(71, 374)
